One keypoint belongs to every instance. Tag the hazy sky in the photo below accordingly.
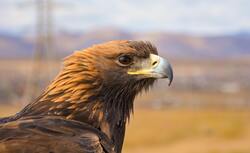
(202, 17)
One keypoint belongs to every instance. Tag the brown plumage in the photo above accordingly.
(87, 106)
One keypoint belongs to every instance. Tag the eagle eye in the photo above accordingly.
(125, 60)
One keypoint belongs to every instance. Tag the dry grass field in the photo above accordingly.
(189, 131)
(183, 131)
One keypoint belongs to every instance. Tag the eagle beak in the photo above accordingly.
(161, 68)
(154, 67)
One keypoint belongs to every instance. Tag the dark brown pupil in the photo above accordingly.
(125, 59)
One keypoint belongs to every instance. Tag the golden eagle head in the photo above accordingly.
(103, 78)
(125, 64)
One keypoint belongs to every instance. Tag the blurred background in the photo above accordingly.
(206, 110)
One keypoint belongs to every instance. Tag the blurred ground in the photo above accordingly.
(183, 131)
(189, 131)
(206, 110)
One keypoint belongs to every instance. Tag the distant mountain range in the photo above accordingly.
(168, 44)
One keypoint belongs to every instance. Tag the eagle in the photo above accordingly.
(86, 107)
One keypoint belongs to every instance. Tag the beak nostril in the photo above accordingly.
(154, 63)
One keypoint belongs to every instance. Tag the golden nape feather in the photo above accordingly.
(87, 106)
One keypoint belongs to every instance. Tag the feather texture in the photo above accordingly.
(92, 89)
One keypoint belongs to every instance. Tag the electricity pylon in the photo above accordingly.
(43, 53)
